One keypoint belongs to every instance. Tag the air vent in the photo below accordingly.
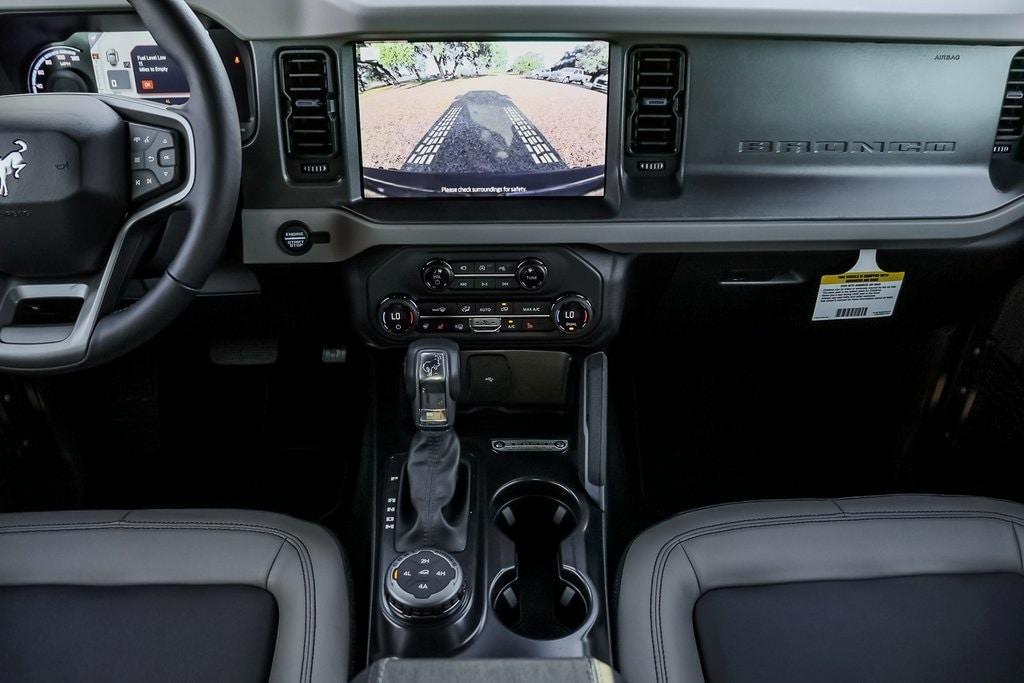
(309, 110)
(1011, 116)
(656, 87)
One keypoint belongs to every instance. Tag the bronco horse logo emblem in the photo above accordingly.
(12, 165)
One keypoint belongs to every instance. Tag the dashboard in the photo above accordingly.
(501, 136)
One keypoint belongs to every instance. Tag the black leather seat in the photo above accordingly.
(187, 595)
(888, 588)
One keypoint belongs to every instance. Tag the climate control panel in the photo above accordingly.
(551, 294)
(401, 315)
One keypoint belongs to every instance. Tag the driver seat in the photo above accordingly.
(171, 595)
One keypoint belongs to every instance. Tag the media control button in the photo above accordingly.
(531, 273)
(144, 183)
(506, 283)
(462, 283)
(437, 275)
(485, 283)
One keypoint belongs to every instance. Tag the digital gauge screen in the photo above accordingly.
(57, 69)
(130, 63)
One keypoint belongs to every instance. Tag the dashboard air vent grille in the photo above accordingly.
(656, 88)
(309, 103)
(1011, 116)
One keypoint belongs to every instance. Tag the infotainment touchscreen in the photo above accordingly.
(483, 119)
(131, 63)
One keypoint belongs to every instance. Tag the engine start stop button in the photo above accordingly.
(295, 238)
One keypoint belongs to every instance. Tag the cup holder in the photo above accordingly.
(539, 598)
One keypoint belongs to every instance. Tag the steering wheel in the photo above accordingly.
(80, 174)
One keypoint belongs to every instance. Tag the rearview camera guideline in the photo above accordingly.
(483, 119)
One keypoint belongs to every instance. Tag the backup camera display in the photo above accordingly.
(483, 119)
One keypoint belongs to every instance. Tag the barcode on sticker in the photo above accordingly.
(852, 312)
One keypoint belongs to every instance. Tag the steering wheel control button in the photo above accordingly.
(153, 159)
(531, 273)
(424, 584)
(437, 275)
(571, 314)
(295, 238)
(398, 315)
(142, 137)
(144, 183)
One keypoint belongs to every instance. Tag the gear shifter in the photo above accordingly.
(432, 373)
(433, 508)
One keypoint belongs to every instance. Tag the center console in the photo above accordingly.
(489, 539)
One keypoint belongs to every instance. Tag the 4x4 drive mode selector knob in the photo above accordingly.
(437, 275)
(424, 584)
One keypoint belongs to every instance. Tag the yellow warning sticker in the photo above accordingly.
(864, 291)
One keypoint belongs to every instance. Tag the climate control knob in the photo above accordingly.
(437, 275)
(424, 584)
(531, 273)
(572, 313)
(398, 315)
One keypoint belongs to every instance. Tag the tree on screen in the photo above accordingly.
(530, 61)
(399, 57)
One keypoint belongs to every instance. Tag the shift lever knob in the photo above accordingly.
(432, 380)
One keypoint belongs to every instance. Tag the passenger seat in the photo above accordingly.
(168, 596)
(888, 588)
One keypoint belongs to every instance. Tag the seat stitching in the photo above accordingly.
(309, 591)
(270, 569)
(657, 577)
(1016, 537)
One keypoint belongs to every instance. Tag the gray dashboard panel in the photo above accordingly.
(351, 234)
(933, 20)
(785, 129)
